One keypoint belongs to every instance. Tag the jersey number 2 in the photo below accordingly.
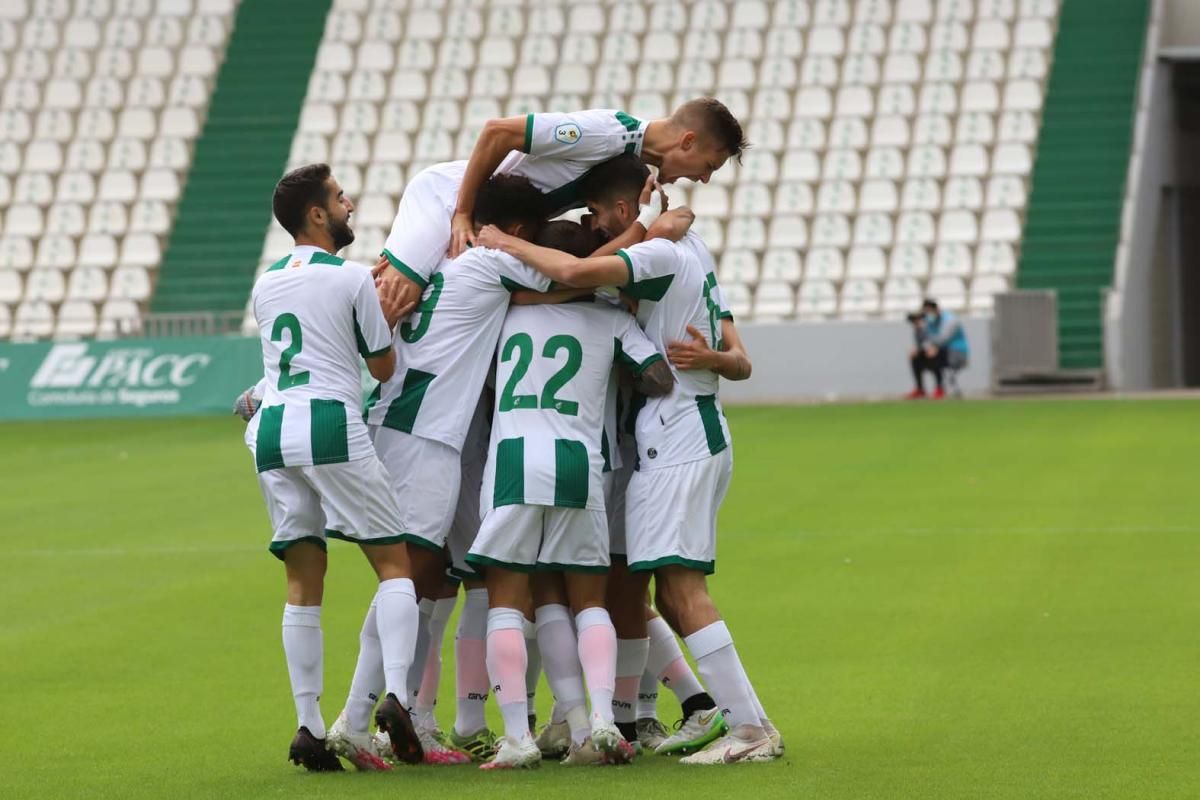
(521, 345)
(288, 379)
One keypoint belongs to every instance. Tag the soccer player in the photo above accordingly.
(684, 456)
(419, 419)
(543, 503)
(553, 151)
(319, 476)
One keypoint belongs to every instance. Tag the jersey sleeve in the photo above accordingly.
(652, 266)
(631, 346)
(718, 297)
(371, 330)
(591, 136)
(516, 275)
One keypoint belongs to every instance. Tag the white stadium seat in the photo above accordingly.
(962, 192)
(952, 258)
(909, 260)
(866, 262)
(824, 263)
(739, 266)
(774, 301)
(782, 265)
(817, 299)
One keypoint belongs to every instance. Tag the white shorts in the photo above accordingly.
(466, 515)
(350, 501)
(424, 477)
(671, 514)
(549, 538)
(420, 234)
(616, 484)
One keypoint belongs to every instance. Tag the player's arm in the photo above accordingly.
(528, 297)
(498, 138)
(556, 265)
(730, 362)
(656, 380)
(376, 311)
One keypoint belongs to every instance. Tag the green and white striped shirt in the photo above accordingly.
(317, 315)
(552, 376)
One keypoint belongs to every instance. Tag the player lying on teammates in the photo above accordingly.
(543, 509)
(553, 150)
(319, 475)
(684, 456)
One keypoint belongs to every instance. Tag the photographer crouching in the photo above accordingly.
(941, 345)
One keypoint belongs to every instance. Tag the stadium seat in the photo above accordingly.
(739, 266)
(848, 132)
(788, 231)
(885, 162)
(915, 227)
(16, 253)
(866, 262)
(87, 283)
(747, 233)
(1000, 225)
(98, 250)
(873, 230)
(56, 251)
(890, 131)
(958, 227)
(794, 198)
(824, 263)
(995, 258)
(963, 193)
(737, 297)
(949, 291)
(817, 299)
(140, 250)
(119, 317)
(878, 195)
(933, 129)
(45, 284)
(774, 301)
(33, 320)
(11, 288)
(1006, 191)
(831, 230)
(901, 295)
(859, 298)
(782, 265)
(952, 258)
(752, 199)
(909, 260)
(836, 196)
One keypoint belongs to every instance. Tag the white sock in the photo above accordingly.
(367, 683)
(560, 659)
(533, 667)
(721, 669)
(631, 663)
(416, 670)
(470, 673)
(647, 702)
(396, 618)
(506, 660)
(666, 663)
(303, 647)
(598, 656)
(431, 675)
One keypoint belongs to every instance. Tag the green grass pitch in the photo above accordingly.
(974, 600)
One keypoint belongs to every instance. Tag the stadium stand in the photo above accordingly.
(893, 140)
(101, 103)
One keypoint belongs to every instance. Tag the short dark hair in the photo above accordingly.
(930, 303)
(506, 200)
(568, 236)
(619, 178)
(298, 191)
(713, 119)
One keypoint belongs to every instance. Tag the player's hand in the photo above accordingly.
(462, 231)
(398, 296)
(246, 405)
(380, 265)
(672, 225)
(649, 188)
(693, 354)
(494, 238)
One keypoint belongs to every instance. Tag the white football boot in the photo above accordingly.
(355, 746)
(694, 733)
(740, 745)
(516, 755)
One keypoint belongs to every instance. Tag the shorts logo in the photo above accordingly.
(652, 453)
(567, 134)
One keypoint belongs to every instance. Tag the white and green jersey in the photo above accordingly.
(676, 286)
(552, 377)
(560, 148)
(317, 314)
(445, 348)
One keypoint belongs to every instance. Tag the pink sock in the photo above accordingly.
(470, 665)
(667, 663)
(598, 656)
(506, 663)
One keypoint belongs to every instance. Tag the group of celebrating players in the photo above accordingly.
(546, 431)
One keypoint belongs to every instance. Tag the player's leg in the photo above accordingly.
(506, 551)
(470, 732)
(560, 658)
(431, 674)
(299, 542)
(665, 663)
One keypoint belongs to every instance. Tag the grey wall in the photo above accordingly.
(811, 361)
(1181, 26)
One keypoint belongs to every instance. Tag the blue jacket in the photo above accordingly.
(946, 330)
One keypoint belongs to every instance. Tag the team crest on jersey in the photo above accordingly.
(294, 264)
(567, 134)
